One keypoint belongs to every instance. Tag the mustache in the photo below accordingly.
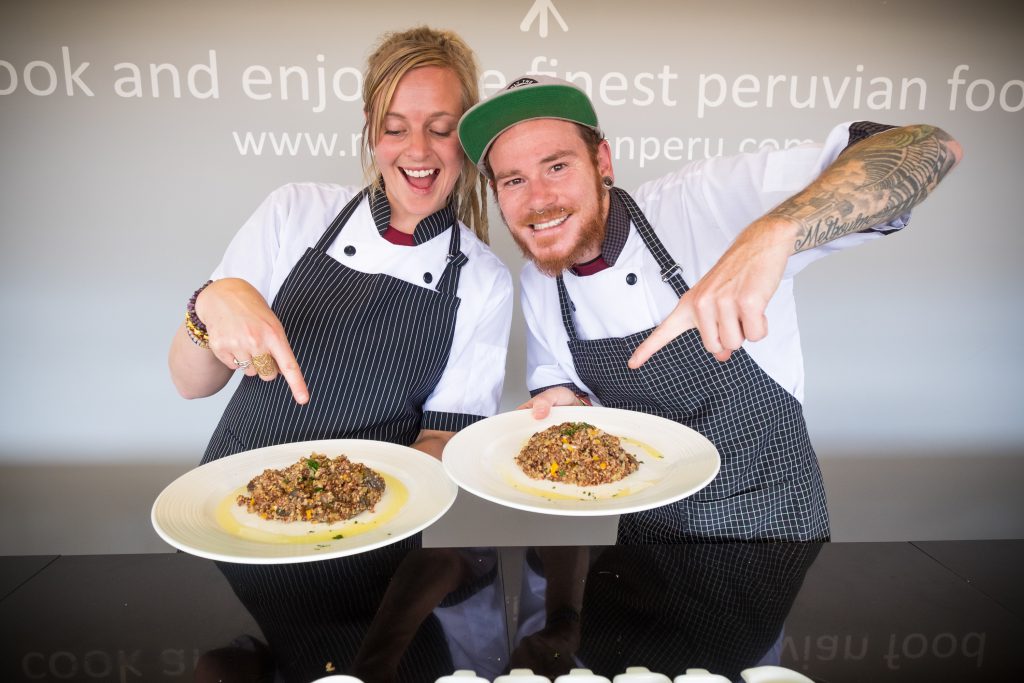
(548, 214)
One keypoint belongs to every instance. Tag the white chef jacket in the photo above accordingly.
(292, 219)
(696, 212)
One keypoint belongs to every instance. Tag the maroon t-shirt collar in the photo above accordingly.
(398, 237)
(594, 265)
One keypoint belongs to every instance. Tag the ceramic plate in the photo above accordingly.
(675, 462)
(197, 512)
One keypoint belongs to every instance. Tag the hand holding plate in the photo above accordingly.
(545, 400)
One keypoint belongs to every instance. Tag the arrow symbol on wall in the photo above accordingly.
(542, 9)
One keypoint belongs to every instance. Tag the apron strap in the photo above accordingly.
(448, 283)
(671, 272)
(334, 229)
(567, 307)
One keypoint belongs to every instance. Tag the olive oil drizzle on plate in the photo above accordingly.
(238, 521)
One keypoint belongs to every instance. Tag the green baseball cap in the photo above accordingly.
(524, 99)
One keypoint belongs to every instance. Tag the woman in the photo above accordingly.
(388, 318)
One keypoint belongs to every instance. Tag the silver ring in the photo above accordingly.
(242, 364)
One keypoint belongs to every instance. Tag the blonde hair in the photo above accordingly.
(397, 54)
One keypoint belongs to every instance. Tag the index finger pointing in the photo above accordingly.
(675, 324)
(289, 369)
(658, 338)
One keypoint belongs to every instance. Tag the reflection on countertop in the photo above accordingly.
(938, 611)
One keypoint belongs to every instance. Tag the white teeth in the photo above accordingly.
(550, 224)
(419, 174)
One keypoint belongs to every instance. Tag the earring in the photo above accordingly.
(607, 181)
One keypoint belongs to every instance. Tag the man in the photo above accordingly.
(663, 303)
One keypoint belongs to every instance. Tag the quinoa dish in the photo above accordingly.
(315, 489)
(576, 453)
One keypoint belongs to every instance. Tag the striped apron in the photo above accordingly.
(769, 486)
(313, 613)
(371, 346)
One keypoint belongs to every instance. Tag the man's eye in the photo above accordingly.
(512, 181)
(558, 167)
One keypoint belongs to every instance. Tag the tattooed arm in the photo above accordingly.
(872, 182)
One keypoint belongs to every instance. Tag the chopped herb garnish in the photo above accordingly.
(313, 464)
(337, 537)
(574, 427)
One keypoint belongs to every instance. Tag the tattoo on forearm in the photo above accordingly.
(870, 183)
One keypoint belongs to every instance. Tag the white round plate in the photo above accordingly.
(675, 462)
(197, 514)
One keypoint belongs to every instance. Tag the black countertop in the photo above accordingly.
(935, 611)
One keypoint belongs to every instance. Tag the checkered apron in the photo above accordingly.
(717, 606)
(769, 486)
(371, 347)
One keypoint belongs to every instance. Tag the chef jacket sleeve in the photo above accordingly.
(470, 386)
(253, 251)
(742, 188)
(545, 332)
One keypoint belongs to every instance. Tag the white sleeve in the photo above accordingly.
(544, 333)
(740, 189)
(253, 251)
(542, 368)
(470, 386)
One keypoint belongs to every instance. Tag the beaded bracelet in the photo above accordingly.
(193, 325)
(198, 337)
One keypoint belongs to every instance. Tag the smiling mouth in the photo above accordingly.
(421, 178)
(553, 223)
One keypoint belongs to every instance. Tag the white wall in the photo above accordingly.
(114, 207)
